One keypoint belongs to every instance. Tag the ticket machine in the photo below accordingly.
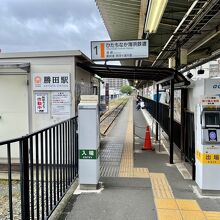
(207, 142)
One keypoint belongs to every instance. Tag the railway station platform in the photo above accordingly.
(137, 184)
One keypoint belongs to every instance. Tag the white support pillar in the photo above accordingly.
(89, 141)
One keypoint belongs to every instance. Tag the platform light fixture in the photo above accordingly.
(154, 14)
(200, 72)
(189, 75)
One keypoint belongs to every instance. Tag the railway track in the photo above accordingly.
(107, 119)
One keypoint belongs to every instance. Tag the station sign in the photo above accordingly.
(88, 154)
(51, 81)
(119, 50)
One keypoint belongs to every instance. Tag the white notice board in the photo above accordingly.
(61, 111)
(61, 98)
(61, 104)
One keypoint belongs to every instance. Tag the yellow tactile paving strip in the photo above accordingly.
(180, 209)
(176, 209)
(127, 166)
(184, 204)
(160, 186)
(212, 215)
(165, 214)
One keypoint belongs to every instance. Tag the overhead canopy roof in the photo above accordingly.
(121, 18)
(160, 75)
(193, 24)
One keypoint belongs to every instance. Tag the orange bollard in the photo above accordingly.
(147, 140)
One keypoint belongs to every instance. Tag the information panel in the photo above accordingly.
(211, 100)
(61, 104)
(118, 50)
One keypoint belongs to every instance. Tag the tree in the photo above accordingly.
(126, 89)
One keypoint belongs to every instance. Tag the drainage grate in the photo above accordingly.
(110, 163)
(110, 159)
(109, 171)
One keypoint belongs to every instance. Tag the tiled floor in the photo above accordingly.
(181, 209)
(168, 208)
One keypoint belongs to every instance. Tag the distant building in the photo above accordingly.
(116, 84)
(113, 87)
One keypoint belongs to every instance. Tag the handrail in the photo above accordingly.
(48, 165)
(34, 133)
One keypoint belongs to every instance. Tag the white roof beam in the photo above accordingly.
(113, 5)
(142, 16)
(119, 10)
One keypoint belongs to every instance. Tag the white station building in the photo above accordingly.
(38, 89)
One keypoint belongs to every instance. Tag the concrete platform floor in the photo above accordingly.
(143, 186)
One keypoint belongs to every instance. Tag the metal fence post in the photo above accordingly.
(77, 147)
(157, 112)
(171, 133)
(193, 170)
(25, 200)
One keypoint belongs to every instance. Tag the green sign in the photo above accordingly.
(88, 154)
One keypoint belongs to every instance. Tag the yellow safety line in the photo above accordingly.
(127, 166)
(176, 209)
(160, 186)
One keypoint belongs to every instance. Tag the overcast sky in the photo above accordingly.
(36, 25)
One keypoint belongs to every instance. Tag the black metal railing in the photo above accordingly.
(47, 168)
(163, 120)
(164, 117)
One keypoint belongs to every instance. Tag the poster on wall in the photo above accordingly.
(213, 70)
(41, 103)
(51, 81)
(61, 104)
(177, 105)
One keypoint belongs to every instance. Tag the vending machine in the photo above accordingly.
(207, 132)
